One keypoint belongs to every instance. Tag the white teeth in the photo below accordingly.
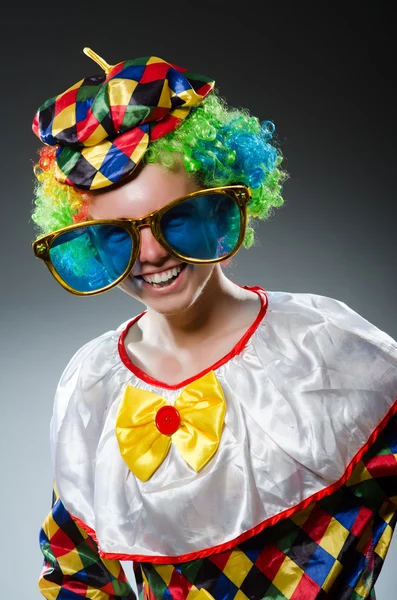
(164, 276)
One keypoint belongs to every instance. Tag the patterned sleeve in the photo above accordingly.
(72, 566)
(373, 484)
(374, 479)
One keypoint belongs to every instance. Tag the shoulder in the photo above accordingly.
(307, 337)
(314, 317)
(86, 379)
(91, 353)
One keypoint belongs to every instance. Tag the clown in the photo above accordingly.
(227, 442)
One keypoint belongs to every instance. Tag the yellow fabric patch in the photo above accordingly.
(50, 527)
(140, 148)
(334, 538)
(360, 473)
(332, 575)
(65, 119)
(165, 572)
(302, 516)
(384, 542)
(240, 596)
(49, 589)
(70, 563)
(113, 566)
(237, 567)
(95, 156)
(120, 91)
(288, 577)
(96, 137)
(100, 181)
(165, 100)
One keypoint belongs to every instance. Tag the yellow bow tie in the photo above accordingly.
(147, 424)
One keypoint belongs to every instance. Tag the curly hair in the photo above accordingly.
(217, 144)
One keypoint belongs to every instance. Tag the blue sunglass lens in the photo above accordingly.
(93, 257)
(203, 227)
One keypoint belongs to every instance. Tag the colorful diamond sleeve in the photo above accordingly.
(72, 566)
(375, 477)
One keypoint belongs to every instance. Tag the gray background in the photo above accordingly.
(322, 71)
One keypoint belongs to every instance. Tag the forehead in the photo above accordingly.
(152, 188)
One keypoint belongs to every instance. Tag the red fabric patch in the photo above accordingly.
(114, 71)
(117, 114)
(151, 593)
(72, 585)
(165, 126)
(122, 576)
(180, 69)
(179, 586)
(108, 589)
(35, 124)
(65, 100)
(127, 142)
(84, 129)
(317, 523)
(204, 90)
(157, 114)
(382, 466)
(61, 543)
(363, 518)
(154, 72)
(221, 559)
(307, 589)
(269, 561)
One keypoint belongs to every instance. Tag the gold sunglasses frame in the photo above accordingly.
(239, 193)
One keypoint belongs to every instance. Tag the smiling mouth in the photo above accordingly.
(155, 281)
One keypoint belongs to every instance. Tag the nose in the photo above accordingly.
(151, 252)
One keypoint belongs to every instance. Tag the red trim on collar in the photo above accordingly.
(261, 526)
(238, 348)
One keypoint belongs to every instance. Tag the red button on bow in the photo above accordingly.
(167, 420)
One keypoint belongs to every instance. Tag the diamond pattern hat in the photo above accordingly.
(103, 124)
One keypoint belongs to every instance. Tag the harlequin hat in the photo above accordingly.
(103, 124)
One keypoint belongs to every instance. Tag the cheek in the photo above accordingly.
(204, 270)
(129, 286)
(201, 274)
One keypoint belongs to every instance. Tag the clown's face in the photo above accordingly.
(152, 188)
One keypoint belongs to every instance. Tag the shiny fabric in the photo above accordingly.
(304, 396)
(102, 125)
(72, 566)
(335, 548)
(201, 407)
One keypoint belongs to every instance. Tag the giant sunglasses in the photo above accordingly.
(207, 226)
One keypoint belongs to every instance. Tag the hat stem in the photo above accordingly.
(94, 56)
